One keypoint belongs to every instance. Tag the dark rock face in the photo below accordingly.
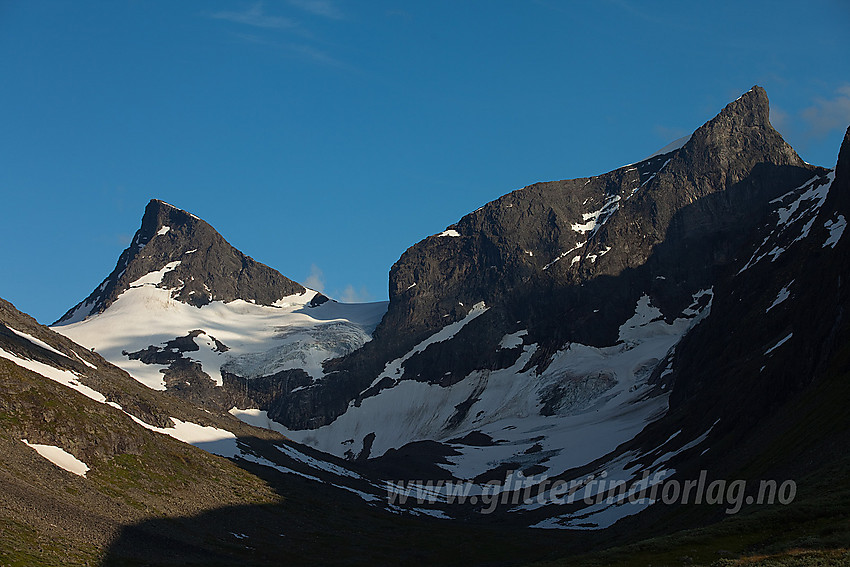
(508, 243)
(780, 315)
(763, 378)
(209, 268)
(568, 260)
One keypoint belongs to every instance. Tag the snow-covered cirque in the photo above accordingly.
(604, 403)
(260, 340)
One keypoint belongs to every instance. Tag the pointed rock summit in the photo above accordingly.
(726, 148)
(190, 258)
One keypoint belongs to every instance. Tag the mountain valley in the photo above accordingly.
(680, 318)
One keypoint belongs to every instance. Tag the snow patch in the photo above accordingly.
(651, 177)
(617, 505)
(86, 362)
(211, 439)
(783, 294)
(563, 254)
(694, 308)
(645, 314)
(836, 229)
(595, 219)
(513, 340)
(779, 344)
(314, 463)
(256, 417)
(593, 257)
(36, 341)
(155, 278)
(46, 346)
(267, 463)
(60, 457)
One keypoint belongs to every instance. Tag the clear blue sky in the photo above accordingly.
(324, 137)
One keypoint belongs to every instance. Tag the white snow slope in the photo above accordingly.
(604, 404)
(261, 340)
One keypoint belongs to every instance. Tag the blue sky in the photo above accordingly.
(324, 137)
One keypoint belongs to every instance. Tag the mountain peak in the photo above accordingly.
(160, 206)
(751, 109)
(192, 260)
(159, 214)
(727, 147)
(753, 103)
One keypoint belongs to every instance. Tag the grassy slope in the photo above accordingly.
(49, 516)
(149, 499)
